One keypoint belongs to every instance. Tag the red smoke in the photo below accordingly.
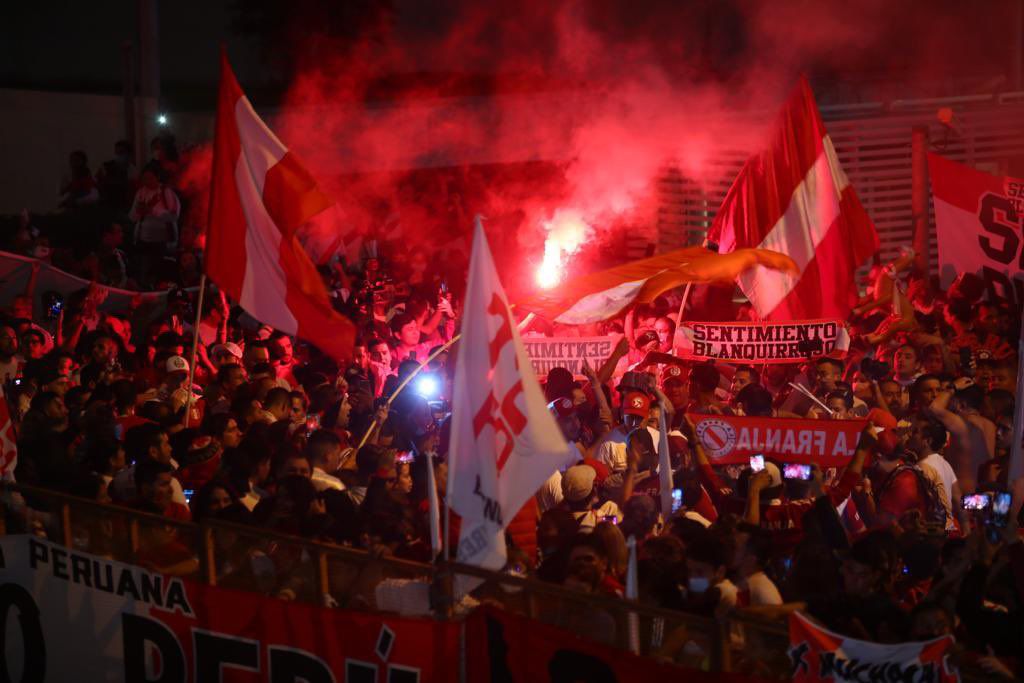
(516, 112)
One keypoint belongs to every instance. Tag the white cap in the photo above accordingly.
(230, 348)
(176, 364)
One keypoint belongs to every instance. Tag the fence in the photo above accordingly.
(241, 557)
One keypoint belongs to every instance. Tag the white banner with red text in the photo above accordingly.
(730, 440)
(81, 617)
(978, 224)
(762, 342)
(567, 352)
(817, 654)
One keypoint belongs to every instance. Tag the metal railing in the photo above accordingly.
(290, 567)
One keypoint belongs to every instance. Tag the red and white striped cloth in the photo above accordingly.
(261, 195)
(8, 441)
(794, 198)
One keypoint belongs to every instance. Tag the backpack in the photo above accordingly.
(935, 511)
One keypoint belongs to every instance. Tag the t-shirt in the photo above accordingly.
(762, 590)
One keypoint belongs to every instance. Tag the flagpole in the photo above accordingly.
(1016, 468)
(437, 352)
(195, 346)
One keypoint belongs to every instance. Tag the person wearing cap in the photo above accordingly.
(636, 411)
(228, 353)
(567, 417)
(175, 391)
(580, 496)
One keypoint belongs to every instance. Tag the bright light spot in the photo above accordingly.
(427, 386)
(566, 233)
(161, 119)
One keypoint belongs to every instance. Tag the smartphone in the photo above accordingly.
(17, 381)
(55, 308)
(794, 471)
(677, 500)
(312, 423)
(977, 501)
(611, 518)
(188, 495)
(757, 463)
(1001, 504)
(405, 457)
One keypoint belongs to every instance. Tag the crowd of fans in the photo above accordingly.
(916, 537)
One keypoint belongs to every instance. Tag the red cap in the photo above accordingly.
(599, 468)
(673, 372)
(882, 419)
(636, 403)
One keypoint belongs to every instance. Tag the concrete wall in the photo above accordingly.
(37, 132)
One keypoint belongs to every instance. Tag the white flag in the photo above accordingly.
(504, 444)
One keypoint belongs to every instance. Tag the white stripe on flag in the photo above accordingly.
(601, 305)
(813, 208)
(265, 285)
(260, 147)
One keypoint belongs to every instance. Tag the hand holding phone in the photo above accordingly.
(977, 501)
(795, 471)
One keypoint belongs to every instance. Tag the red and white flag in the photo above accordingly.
(504, 442)
(260, 196)
(794, 198)
(817, 654)
(979, 218)
(8, 441)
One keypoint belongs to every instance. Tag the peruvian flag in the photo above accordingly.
(794, 198)
(260, 196)
(504, 442)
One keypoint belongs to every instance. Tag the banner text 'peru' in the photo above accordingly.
(260, 196)
(793, 197)
(504, 443)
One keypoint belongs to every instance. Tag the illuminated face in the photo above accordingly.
(892, 394)
(1003, 378)
(298, 410)
(410, 333)
(675, 391)
(838, 408)
(905, 361)
(284, 349)
(826, 376)
(932, 362)
(381, 353)
(861, 386)
(741, 379)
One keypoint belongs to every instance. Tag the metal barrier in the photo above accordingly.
(271, 563)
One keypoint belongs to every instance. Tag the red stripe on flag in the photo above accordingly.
(291, 195)
(829, 294)
(960, 185)
(307, 299)
(225, 240)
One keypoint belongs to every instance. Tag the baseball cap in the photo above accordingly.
(176, 364)
(672, 373)
(229, 348)
(578, 482)
(646, 338)
(636, 403)
(562, 408)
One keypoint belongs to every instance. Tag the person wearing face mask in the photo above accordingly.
(708, 591)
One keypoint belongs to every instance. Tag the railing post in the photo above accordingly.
(209, 556)
(323, 576)
(133, 538)
(721, 652)
(65, 523)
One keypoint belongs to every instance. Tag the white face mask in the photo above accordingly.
(699, 584)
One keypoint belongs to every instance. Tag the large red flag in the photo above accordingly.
(794, 198)
(260, 196)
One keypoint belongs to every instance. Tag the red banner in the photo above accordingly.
(818, 654)
(757, 343)
(728, 439)
(83, 617)
(506, 647)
